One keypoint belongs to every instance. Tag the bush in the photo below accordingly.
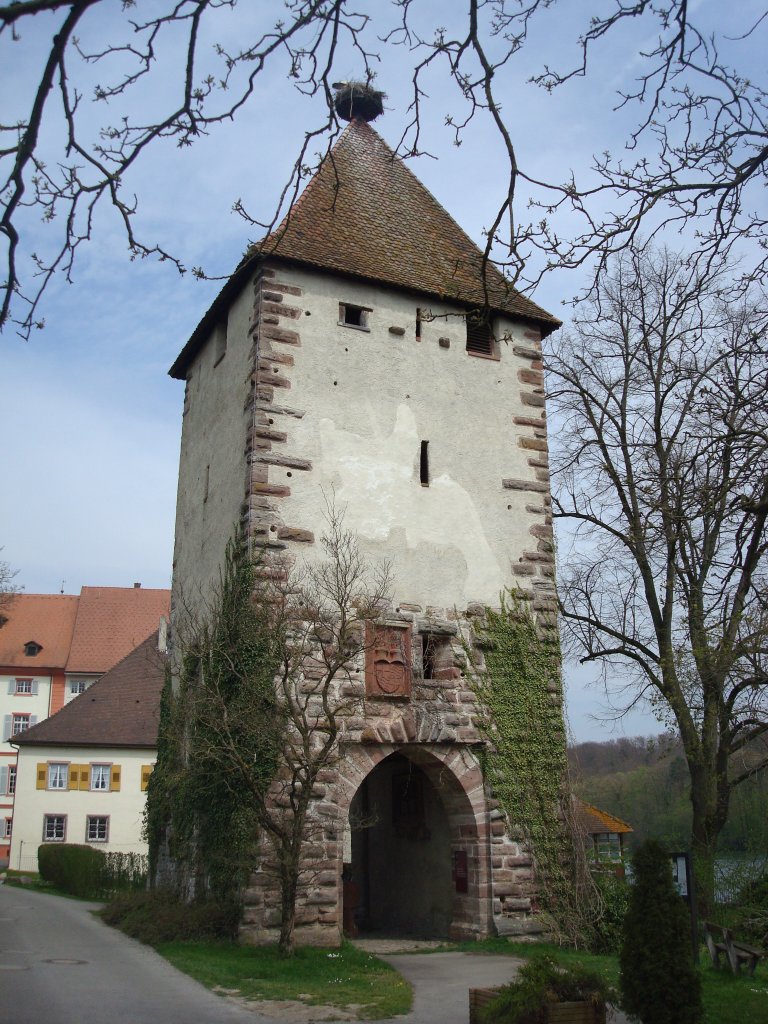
(659, 983)
(124, 872)
(89, 872)
(541, 981)
(751, 913)
(154, 917)
(614, 895)
(72, 868)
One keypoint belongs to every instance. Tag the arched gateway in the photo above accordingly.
(416, 853)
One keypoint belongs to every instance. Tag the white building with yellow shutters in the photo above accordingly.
(82, 774)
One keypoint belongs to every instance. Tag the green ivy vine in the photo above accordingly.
(194, 806)
(525, 758)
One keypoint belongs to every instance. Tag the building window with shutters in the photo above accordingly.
(24, 686)
(11, 779)
(54, 828)
(146, 771)
(8, 828)
(100, 774)
(97, 829)
(58, 776)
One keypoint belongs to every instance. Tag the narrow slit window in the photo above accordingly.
(206, 482)
(479, 336)
(428, 656)
(424, 464)
(220, 341)
(418, 324)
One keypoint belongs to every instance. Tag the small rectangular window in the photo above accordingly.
(11, 779)
(479, 336)
(78, 686)
(23, 686)
(58, 776)
(20, 724)
(100, 777)
(354, 316)
(54, 828)
(206, 482)
(8, 827)
(418, 324)
(97, 829)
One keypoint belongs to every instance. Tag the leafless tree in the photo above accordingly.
(274, 745)
(8, 590)
(661, 468)
(695, 155)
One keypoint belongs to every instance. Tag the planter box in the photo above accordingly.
(557, 1013)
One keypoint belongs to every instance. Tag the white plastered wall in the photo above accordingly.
(369, 399)
(212, 446)
(125, 808)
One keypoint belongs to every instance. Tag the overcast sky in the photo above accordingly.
(91, 420)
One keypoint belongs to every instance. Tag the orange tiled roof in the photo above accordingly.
(111, 622)
(49, 620)
(596, 821)
(122, 709)
(365, 214)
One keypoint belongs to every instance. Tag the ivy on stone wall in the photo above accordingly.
(525, 760)
(198, 813)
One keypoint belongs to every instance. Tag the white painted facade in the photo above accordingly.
(123, 808)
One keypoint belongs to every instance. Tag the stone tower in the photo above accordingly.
(343, 357)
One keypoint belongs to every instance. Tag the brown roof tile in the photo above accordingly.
(122, 709)
(595, 821)
(365, 214)
(49, 620)
(111, 621)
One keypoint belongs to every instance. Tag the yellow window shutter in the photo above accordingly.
(85, 777)
(146, 771)
(115, 780)
(73, 776)
(42, 775)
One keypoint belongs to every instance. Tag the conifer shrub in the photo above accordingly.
(658, 980)
(539, 983)
(73, 868)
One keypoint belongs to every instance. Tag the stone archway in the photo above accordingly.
(417, 856)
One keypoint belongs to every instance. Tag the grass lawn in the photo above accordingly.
(727, 999)
(343, 977)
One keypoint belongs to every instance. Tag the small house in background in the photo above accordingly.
(606, 833)
(53, 647)
(82, 774)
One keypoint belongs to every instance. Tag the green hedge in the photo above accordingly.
(89, 872)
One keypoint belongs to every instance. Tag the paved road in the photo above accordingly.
(59, 965)
(441, 983)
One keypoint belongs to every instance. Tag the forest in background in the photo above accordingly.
(645, 781)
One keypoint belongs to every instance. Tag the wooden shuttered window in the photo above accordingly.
(146, 771)
(114, 782)
(479, 337)
(42, 776)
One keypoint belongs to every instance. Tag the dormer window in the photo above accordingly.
(479, 336)
(354, 316)
(32, 648)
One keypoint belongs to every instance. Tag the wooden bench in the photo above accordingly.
(734, 951)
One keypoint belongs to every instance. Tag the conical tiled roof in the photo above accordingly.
(364, 214)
